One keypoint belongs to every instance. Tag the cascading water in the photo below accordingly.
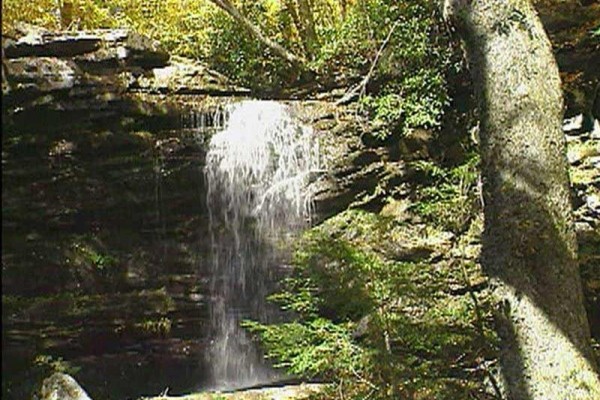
(257, 170)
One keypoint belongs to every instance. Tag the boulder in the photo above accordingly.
(61, 386)
(144, 52)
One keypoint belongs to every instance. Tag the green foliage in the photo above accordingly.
(161, 326)
(47, 365)
(37, 12)
(231, 50)
(316, 347)
(376, 327)
(449, 197)
(386, 114)
(299, 298)
(88, 258)
(409, 87)
(90, 255)
(425, 97)
(412, 66)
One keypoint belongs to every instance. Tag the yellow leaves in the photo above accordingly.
(272, 8)
(39, 12)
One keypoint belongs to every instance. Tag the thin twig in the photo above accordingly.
(362, 379)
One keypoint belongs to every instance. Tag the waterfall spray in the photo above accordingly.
(257, 171)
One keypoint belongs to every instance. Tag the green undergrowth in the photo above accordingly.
(378, 327)
(448, 197)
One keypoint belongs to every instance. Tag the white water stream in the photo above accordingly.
(257, 171)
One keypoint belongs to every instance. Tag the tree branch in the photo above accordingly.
(229, 8)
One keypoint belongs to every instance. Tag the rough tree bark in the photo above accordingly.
(529, 246)
(229, 8)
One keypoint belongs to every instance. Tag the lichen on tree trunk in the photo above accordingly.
(529, 246)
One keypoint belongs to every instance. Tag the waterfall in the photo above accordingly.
(257, 170)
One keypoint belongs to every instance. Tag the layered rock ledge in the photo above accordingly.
(62, 78)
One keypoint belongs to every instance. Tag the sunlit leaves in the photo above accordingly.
(375, 327)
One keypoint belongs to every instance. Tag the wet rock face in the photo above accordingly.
(352, 167)
(103, 195)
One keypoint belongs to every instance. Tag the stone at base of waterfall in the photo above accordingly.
(61, 386)
(289, 392)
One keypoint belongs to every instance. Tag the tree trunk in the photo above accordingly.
(66, 14)
(307, 27)
(529, 246)
(344, 8)
(292, 8)
(229, 8)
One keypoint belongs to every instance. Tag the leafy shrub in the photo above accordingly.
(409, 87)
(161, 326)
(316, 347)
(448, 198)
(375, 327)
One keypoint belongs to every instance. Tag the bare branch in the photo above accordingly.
(279, 50)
